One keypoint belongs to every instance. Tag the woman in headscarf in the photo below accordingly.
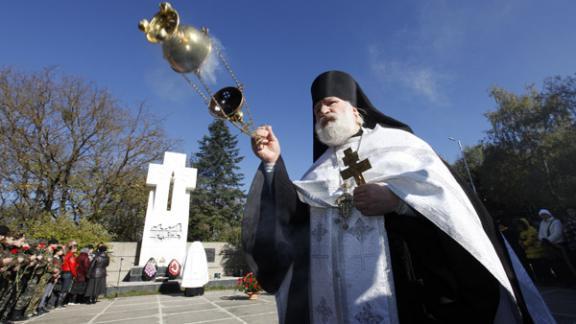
(79, 286)
(97, 275)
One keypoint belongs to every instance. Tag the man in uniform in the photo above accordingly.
(6, 259)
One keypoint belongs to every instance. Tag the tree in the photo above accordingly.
(70, 150)
(528, 154)
(64, 230)
(217, 202)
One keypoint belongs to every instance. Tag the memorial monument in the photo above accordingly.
(166, 224)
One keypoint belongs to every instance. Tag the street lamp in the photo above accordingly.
(465, 162)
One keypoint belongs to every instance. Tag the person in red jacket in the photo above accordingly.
(68, 271)
(82, 266)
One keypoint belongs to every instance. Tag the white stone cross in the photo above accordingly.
(166, 224)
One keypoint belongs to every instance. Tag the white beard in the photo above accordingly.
(338, 131)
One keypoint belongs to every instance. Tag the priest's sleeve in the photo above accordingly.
(271, 227)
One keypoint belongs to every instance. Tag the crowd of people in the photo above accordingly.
(547, 247)
(37, 276)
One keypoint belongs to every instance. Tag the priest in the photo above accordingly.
(378, 230)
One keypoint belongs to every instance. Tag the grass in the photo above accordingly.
(132, 293)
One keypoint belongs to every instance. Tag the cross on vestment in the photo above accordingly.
(355, 169)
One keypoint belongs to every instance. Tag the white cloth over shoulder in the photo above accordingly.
(195, 273)
(415, 173)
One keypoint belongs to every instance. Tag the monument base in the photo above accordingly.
(137, 274)
(170, 286)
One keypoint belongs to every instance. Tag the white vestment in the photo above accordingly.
(350, 270)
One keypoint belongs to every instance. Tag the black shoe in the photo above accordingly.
(18, 316)
(41, 310)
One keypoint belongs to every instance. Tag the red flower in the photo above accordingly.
(14, 251)
(41, 246)
(248, 283)
(26, 247)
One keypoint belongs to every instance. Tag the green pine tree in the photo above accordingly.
(217, 202)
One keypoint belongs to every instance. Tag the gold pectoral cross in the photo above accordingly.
(345, 201)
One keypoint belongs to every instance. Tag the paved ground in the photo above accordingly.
(224, 307)
(217, 307)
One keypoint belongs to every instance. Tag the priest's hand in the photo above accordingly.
(265, 144)
(374, 199)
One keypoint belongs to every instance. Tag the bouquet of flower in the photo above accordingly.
(248, 284)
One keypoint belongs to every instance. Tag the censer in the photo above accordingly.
(187, 49)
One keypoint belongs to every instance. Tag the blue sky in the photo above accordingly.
(427, 63)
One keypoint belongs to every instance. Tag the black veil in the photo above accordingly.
(342, 85)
